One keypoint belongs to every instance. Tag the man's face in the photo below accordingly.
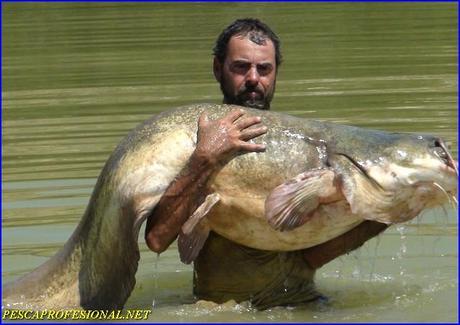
(248, 75)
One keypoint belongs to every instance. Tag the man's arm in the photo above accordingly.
(321, 254)
(217, 143)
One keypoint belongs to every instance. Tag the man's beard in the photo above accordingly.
(242, 98)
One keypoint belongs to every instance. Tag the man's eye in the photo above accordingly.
(264, 69)
(240, 67)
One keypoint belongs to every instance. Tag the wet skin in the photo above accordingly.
(247, 66)
(247, 76)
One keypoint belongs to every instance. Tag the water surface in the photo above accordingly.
(77, 77)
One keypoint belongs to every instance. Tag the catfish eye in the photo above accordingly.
(401, 154)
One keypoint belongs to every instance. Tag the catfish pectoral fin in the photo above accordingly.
(190, 245)
(294, 202)
(195, 230)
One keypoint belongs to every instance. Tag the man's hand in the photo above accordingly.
(218, 142)
(221, 140)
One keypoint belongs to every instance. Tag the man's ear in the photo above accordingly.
(217, 69)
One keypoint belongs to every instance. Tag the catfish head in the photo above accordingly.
(397, 179)
(386, 177)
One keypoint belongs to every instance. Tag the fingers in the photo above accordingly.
(235, 114)
(244, 123)
(252, 133)
(229, 136)
(246, 133)
(203, 119)
(234, 117)
(251, 147)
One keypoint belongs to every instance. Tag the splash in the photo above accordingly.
(402, 251)
(155, 277)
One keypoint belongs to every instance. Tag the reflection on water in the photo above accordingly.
(77, 77)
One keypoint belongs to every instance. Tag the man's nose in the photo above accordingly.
(252, 77)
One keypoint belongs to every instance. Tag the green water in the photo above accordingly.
(77, 77)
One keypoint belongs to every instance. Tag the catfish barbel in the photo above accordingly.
(314, 182)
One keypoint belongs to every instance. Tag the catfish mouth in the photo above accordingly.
(385, 192)
(440, 151)
(393, 193)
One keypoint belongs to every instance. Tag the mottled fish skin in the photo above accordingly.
(96, 267)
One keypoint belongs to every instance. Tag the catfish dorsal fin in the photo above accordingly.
(294, 202)
(195, 230)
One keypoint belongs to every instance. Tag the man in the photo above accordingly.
(246, 61)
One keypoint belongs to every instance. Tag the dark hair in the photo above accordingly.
(257, 31)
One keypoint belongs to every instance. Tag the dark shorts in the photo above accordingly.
(225, 270)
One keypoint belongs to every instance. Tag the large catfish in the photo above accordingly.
(314, 182)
